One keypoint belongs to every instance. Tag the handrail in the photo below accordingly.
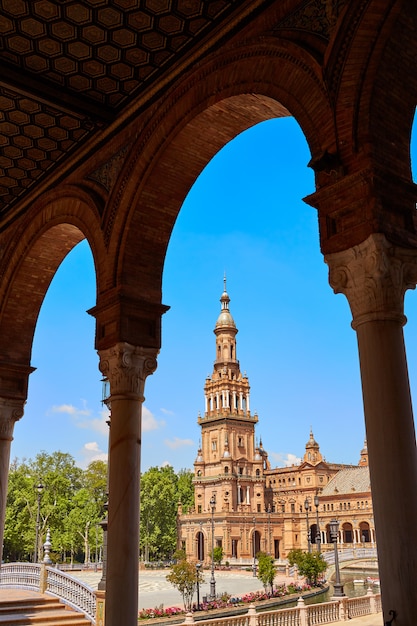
(301, 615)
(71, 591)
(350, 554)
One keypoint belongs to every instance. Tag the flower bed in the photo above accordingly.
(226, 601)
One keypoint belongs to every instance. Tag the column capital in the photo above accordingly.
(374, 277)
(10, 412)
(127, 367)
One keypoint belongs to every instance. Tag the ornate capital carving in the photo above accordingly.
(10, 412)
(374, 277)
(127, 367)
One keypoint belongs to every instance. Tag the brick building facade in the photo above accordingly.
(251, 506)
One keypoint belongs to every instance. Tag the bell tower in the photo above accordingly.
(228, 464)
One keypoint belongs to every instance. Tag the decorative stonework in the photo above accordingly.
(315, 16)
(374, 277)
(107, 174)
(127, 367)
(10, 412)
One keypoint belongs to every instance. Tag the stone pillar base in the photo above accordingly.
(100, 607)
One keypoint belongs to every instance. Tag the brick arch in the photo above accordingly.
(394, 97)
(30, 260)
(189, 126)
(375, 122)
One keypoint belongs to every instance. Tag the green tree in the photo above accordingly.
(158, 509)
(218, 555)
(184, 577)
(20, 522)
(185, 489)
(309, 564)
(69, 497)
(266, 570)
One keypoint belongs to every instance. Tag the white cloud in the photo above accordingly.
(149, 421)
(284, 459)
(176, 443)
(96, 424)
(99, 424)
(70, 409)
(91, 452)
(167, 412)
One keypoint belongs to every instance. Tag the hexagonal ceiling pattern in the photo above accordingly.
(68, 67)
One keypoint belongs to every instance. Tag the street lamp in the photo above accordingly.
(197, 567)
(212, 580)
(334, 531)
(318, 536)
(254, 547)
(307, 508)
(269, 529)
(200, 543)
(39, 489)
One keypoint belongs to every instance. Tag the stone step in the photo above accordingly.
(39, 611)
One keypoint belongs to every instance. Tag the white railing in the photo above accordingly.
(350, 554)
(323, 613)
(284, 617)
(301, 615)
(71, 591)
(21, 575)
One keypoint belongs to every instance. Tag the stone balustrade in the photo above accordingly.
(301, 615)
(40, 577)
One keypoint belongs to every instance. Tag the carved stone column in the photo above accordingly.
(126, 367)
(374, 277)
(10, 412)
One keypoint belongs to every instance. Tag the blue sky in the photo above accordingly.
(244, 216)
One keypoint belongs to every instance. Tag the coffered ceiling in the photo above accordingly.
(69, 68)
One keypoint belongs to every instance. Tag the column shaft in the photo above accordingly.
(126, 367)
(122, 579)
(10, 412)
(374, 277)
(393, 462)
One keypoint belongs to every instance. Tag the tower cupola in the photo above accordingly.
(312, 454)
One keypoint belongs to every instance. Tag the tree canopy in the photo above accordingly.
(184, 577)
(72, 505)
(67, 501)
(161, 492)
(266, 570)
(309, 564)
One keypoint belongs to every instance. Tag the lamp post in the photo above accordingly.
(334, 531)
(254, 547)
(269, 529)
(200, 543)
(197, 567)
(105, 400)
(212, 580)
(39, 489)
(318, 536)
(307, 508)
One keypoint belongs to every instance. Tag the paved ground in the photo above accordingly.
(155, 590)
(367, 620)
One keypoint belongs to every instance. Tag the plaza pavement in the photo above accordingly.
(155, 590)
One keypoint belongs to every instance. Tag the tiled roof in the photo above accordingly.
(350, 480)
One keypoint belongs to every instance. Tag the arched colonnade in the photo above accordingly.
(356, 107)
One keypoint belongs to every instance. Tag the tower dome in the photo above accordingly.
(225, 318)
(312, 454)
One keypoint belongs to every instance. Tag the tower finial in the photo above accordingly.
(224, 281)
